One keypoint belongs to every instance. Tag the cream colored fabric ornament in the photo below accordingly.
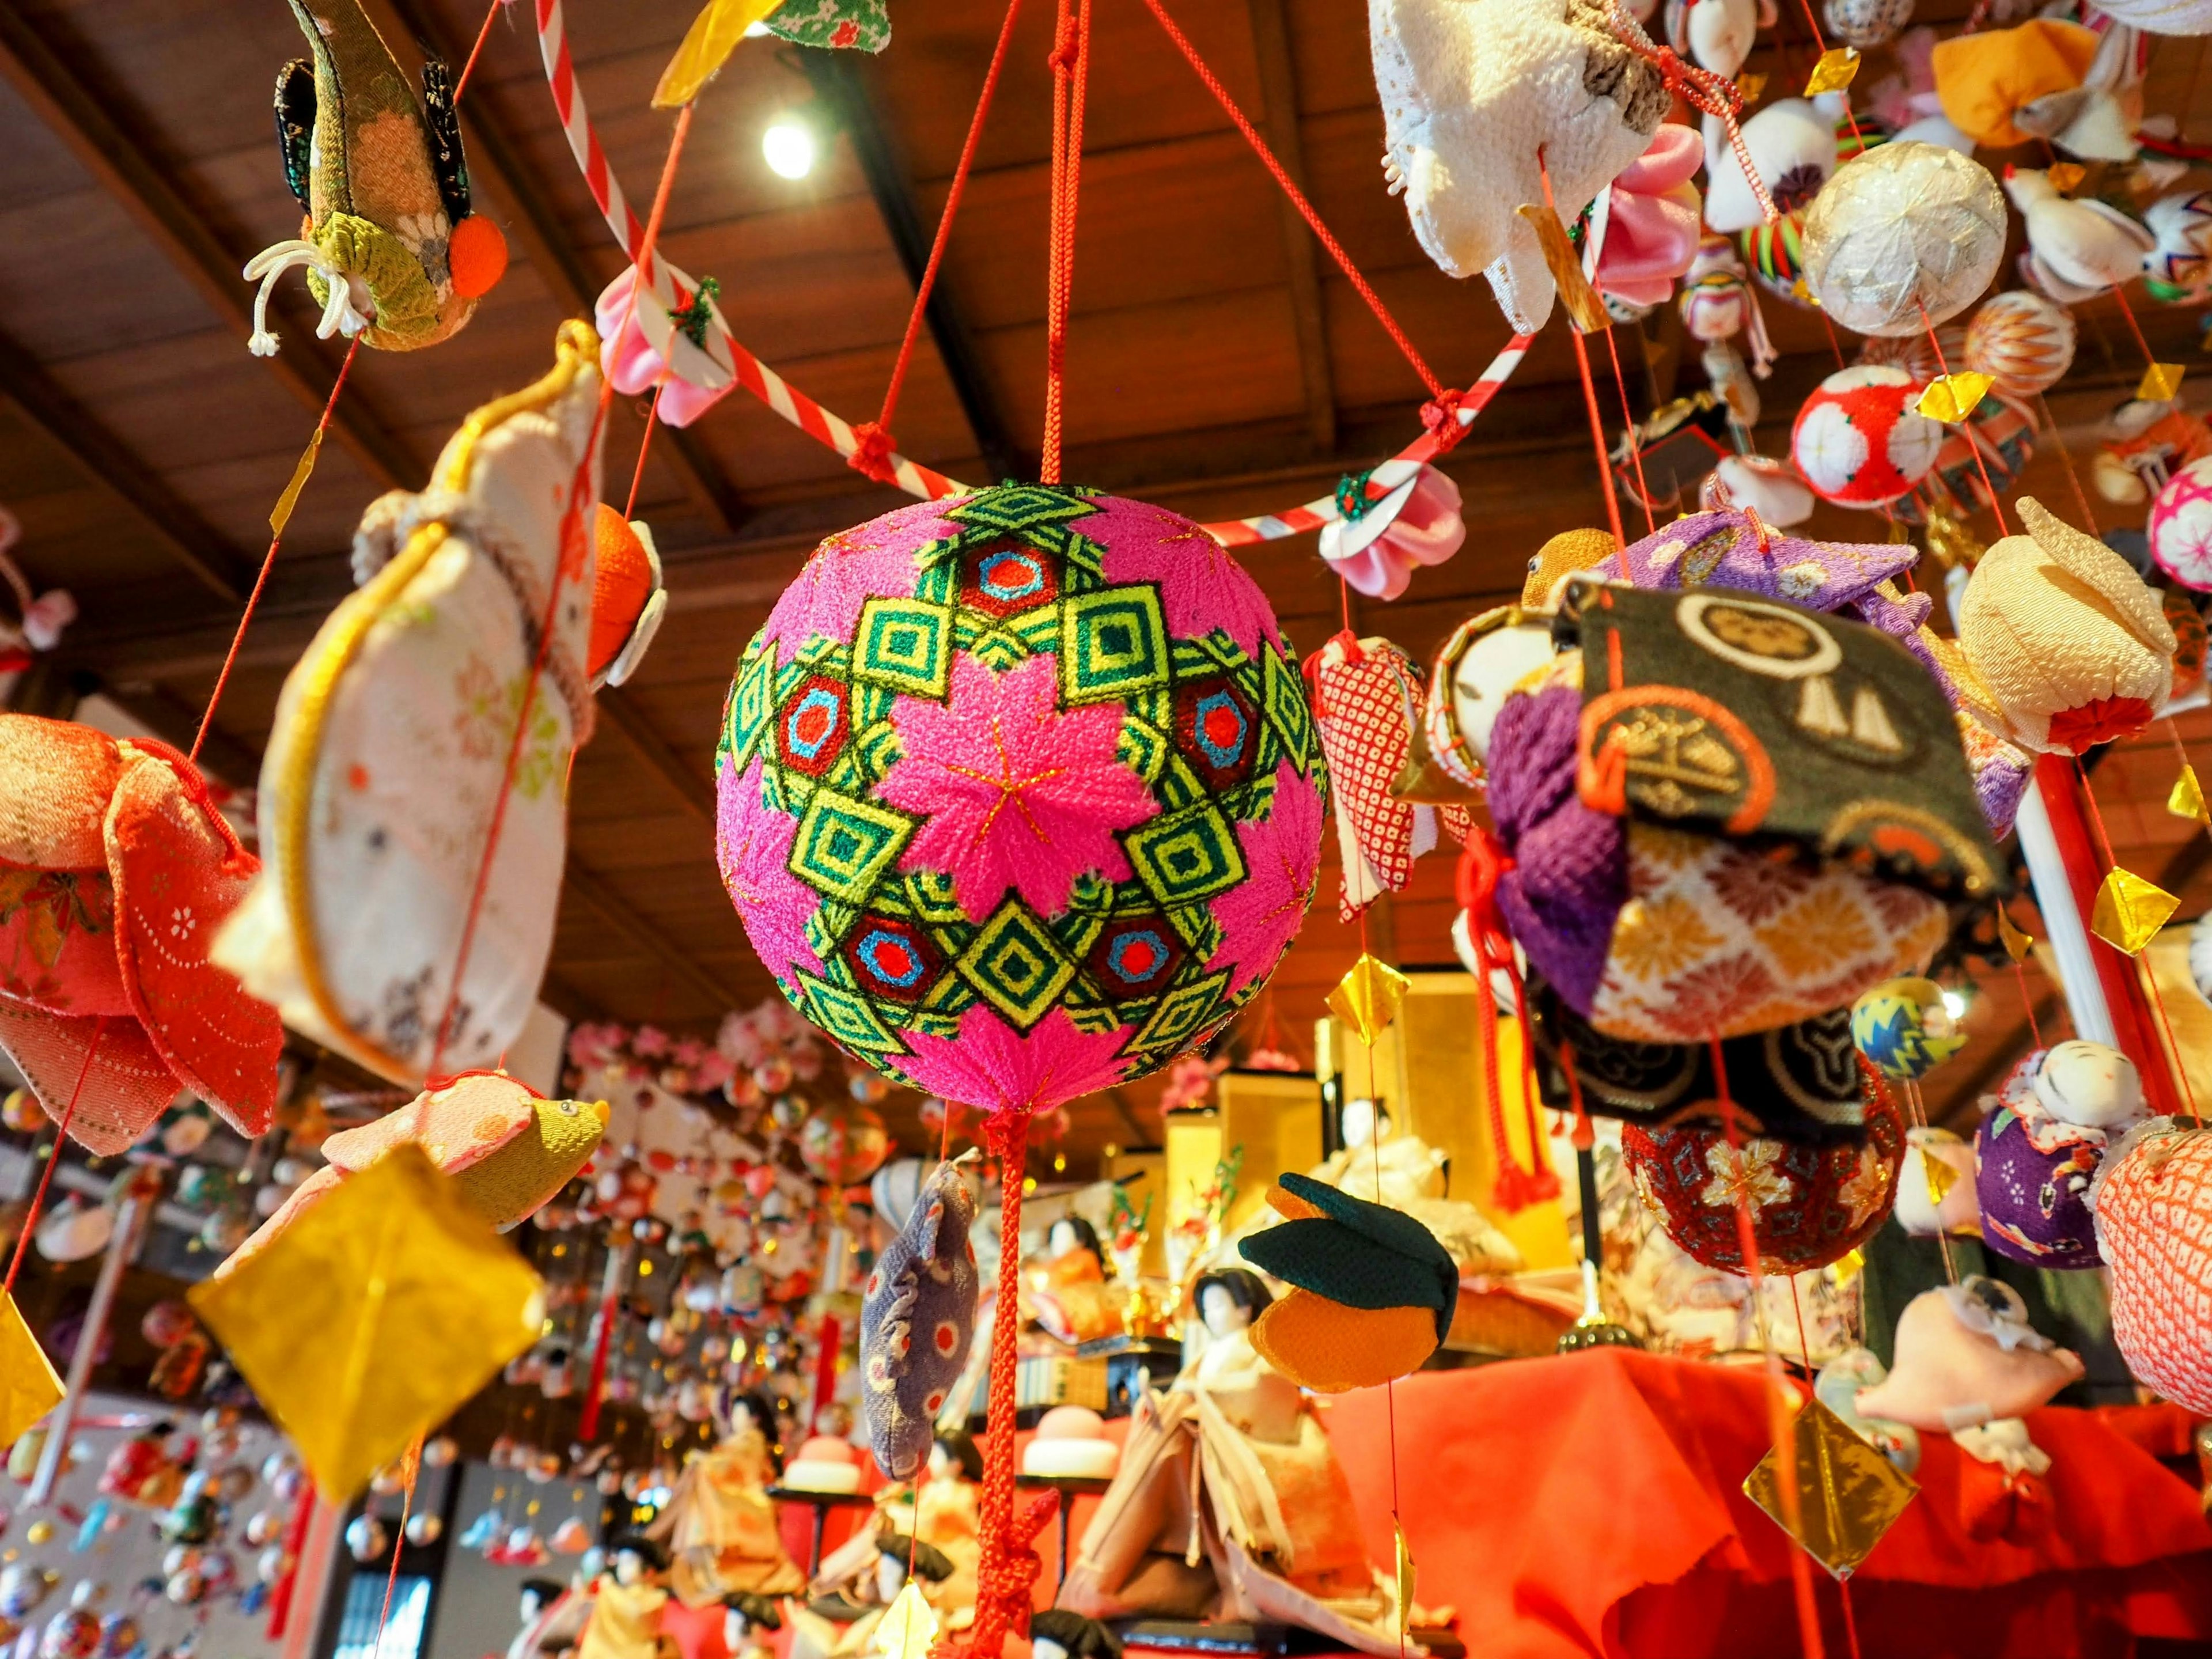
(1905, 235)
(1792, 144)
(2064, 646)
(2022, 341)
(2075, 249)
(1719, 34)
(2162, 16)
(1966, 1356)
(1767, 487)
(1472, 90)
(395, 734)
(1866, 24)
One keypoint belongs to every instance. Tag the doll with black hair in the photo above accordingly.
(841, 1623)
(744, 1617)
(718, 1522)
(1060, 1633)
(1069, 1295)
(553, 1615)
(627, 1599)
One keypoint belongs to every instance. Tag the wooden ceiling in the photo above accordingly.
(1219, 364)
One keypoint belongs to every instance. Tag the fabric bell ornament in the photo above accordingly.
(119, 870)
(2022, 341)
(395, 751)
(1367, 696)
(1474, 92)
(917, 1323)
(2039, 1151)
(1651, 227)
(1905, 236)
(2066, 647)
(1378, 540)
(1966, 1355)
(2153, 1202)
(393, 249)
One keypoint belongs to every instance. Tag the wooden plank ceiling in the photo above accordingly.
(1218, 365)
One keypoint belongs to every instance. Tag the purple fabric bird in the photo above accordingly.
(917, 1322)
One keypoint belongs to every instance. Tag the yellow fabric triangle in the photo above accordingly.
(2161, 383)
(908, 1627)
(708, 44)
(1951, 397)
(2187, 799)
(2066, 177)
(1565, 264)
(1848, 1266)
(1405, 1580)
(1838, 68)
(1367, 998)
(29, 1385)
(2018, 941)
(1940, 1177)
(2130, 910)
(374, 1317)
(1848, 1493)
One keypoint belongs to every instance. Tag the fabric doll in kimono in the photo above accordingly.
(626, 1604)
(2038, 1153)
(718, 1525)
(393, 249)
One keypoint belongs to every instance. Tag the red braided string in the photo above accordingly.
(1071, 74)
(1702, 90)
(1008, 1133)
(54, 1157)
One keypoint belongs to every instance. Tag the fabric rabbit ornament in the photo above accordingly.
(393, 250)
(1473, 92)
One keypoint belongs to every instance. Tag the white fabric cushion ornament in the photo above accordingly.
(2078, 248)
(1471, 91)
(2162, 16)
(393, 737)
(1792, 144)
(1904, 236)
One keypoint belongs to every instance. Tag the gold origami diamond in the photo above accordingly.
(374, 1317)
(2130, 910)
(1951, 397)
(1367, 998)
(30, 1386)
(2161, 384)
(1838, 68)
(2187, 799)
(1848, 1493)
(2018, 941)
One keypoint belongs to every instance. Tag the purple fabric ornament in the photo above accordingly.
(2033, 1175)
(917, 1321)
(1722, 550)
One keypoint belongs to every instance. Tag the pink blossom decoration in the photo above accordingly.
(1020, 793)
(1652, 226)
(997, 1069)
(635, 367)
(1418, 523)
(753, 850)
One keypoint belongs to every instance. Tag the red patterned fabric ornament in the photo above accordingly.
(1810, 1204)
(1366, 696)
(115, 871)
(2152, 1200)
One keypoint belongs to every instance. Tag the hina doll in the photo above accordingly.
(624, 1621)
(841, 1622)
(1069, 1291)
(1231, 1504)
(718, 1525)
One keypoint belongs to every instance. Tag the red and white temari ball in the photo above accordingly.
(1859, 441)
(2022, 341)
(2179, 529)
(1811, 1203)
(2153, 1200)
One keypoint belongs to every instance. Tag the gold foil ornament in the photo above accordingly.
(2187, 799)
(1749, 88)
(708, 44)
(908, 1629)
(1940, 1177)
(1848, 1493)
(375, 1317)
(1367, 997)
(2017, 940)
(2161, 384)
(30, 1386)
(2066, 177)
(1849, 1265)
(1404, 1579)
(1951, 397)
(1565, 264)
(1838, 68)
(2130, 910)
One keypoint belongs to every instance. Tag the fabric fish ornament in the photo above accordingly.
(1374, 1292)
(1367, 695)
(115, 871)
(392, 250)
(507, 1148)
(917, 1321)
(396, 750)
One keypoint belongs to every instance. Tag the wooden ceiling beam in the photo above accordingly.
(594, 893)
(171, 522)
(1278, 100)
(621, 712)
(121, 165)
(531, 219)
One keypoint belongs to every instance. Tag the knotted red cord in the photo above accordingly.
(1480, 866)
(1701, 89)
(998, 1568)
(1071, 77)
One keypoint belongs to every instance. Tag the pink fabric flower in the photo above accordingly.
(1020, 794)
(753, 845)
(1426, 529)
(634, 366)
(991, 1066)
(1651, 232)
(1282, 854)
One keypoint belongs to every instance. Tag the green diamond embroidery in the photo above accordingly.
(752, 706)
(1180, 1014)
(1112, 643)
(1283, 704)
(905, 646)
(1010, 510)
(1186, 857)
(1015, 965)
(843, 845)
(846, 1018)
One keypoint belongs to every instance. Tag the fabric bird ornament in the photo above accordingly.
(2077, 248)
(393, 250)
(1374, 1292)
(507, 1148)
(1474, 92)
(917, 1322)
(415, 833)
(1966, 1355)
(115, 871)
(2061, 646)
(2045, 79)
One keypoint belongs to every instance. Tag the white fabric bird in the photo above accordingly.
(2085, 246)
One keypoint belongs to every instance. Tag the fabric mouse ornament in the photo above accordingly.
(392, 249)
(917, 1322)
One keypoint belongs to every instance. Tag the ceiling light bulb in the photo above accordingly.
(789, 148)
(1954, 1005)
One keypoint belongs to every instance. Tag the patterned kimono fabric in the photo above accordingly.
(719, 1526)
(625, 1622)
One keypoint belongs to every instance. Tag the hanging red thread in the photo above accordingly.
(54, 1157)
(1635, 441)
(1071, 75)
(637, 474)
(1008, 1133)
(1980, 465)
(1480, 866)
(1702, 90)
(2066, 457)
(1589, 394)
(475, 51)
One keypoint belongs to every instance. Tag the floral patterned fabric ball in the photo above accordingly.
(1810, 1204)
(843, 1144)
(2180, 529)
(2153, 1202)
(1018, 795)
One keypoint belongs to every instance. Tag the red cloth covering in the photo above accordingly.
(697, 1632)
(1593, 1505)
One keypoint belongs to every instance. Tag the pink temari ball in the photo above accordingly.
(2180, 525)
(1018, 795)
(2152, 1200)
(1858, 441)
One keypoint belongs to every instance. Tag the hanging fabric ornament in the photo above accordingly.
(1792, 145)
(842, 1143)
(2003, 88)
(2038, 1153)
(2190, 642)
(2162, 16)
(392, 248)
(1718, 34)
(1904, 237)
(1860, 441)
(1966, 1356)
(1651, 230)
(1020, 794)
(1989, 449)
(2022, 341)
(1717, 302)
(1760, 484)
(917, 1322)
(2180, 528)
(1476, 95)
(1775, 256)
(1373, 544)
(2178, 270)
(2153, 1202)
(2075, 249)
(1904, 1029)
(1936, 1192)
(1485, 657)
(2062, 646)
(629, 597)
(413, 803)
(117, 871)
(1865, 24)
(1367, 698)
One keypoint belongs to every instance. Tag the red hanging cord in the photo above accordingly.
(1589, 392)
(1635, 442)
(1981, 466)
(476, 51)
(637, 477)
(1070, 74)
(1702, 90)
(54, 1157)
(2119, 292)
(2066, 456)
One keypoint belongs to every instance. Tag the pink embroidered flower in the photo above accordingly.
(1748, 1176)
(993, 1066)
(1020, 794)
(1282, 854)
(634, 366)
(753, 845)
